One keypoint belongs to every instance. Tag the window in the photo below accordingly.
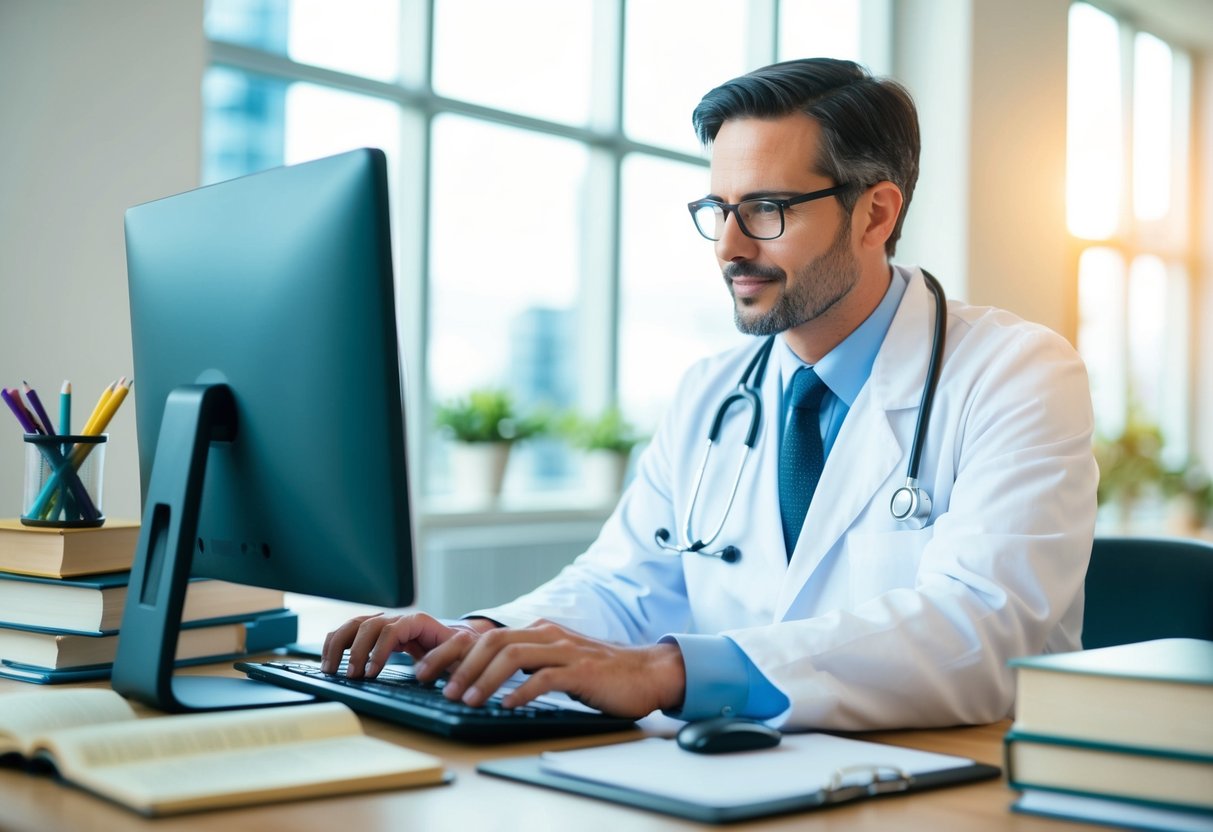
(541, 155)
(1128, 170)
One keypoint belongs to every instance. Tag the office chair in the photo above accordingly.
(1143, 588)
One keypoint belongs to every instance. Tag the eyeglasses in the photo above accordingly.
(760, 219)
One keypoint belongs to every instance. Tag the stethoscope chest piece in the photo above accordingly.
(911, 505)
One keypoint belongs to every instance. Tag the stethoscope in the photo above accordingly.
(910, 504)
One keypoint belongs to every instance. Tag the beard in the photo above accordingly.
(819, 286)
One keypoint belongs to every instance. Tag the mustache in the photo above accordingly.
(735, 270)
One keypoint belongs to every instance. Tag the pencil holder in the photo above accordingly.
(63, 481)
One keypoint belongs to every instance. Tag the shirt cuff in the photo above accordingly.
(722, 681)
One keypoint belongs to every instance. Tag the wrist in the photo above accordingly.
(670, 674)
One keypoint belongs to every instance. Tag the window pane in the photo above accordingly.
(507, 213)
(1101, 335)
(321, 121)
(675, 308)
(666, 76)
(1094, 148)
(243, 124)
(1152, 121)
(1157, 350)
(819, 29)
(528, 56)
(360, 37)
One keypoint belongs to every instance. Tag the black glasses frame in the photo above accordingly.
(782, 204)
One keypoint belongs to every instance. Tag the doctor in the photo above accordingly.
(838, 617)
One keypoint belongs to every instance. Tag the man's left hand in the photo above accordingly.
(625, 681)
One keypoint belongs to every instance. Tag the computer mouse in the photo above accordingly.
(726, 734)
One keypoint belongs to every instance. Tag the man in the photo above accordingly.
(840, 616)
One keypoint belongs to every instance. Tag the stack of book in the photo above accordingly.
(62, 593)
(1119, 735)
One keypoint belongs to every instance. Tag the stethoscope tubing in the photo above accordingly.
(916, 505)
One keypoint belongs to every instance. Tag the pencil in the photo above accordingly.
(14, 404)
(105, 394)
(65, 408)
(111, 407)
(36, 404)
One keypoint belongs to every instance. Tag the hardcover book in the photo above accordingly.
(1155, 695)
(60, 553)
(1164, 778)
(173, 764)
(93, 605)
(38, 654)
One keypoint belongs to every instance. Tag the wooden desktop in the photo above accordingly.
(476, 802)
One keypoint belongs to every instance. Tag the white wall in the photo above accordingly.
(989, 214)
(101, 110)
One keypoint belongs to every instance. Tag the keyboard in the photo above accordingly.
(397, 696)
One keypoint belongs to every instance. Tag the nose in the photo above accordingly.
(733, 244)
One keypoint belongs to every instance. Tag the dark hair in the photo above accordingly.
(869, 127)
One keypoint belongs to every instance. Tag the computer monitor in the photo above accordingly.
(270, 410)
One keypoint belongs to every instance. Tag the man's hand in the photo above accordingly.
(371, 639)
(624, 681)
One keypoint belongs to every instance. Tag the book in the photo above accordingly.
(168, 765)
(805, 771)
(93, 604)
(211, 639)
(1110, 812)
(61, 553)
(1170, 779)
(1154, 695)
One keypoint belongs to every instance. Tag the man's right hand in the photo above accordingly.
(371, 639)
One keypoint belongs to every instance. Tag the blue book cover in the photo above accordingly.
(1181, 660)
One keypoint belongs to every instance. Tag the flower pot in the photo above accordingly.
(604, 473)
(478, 470)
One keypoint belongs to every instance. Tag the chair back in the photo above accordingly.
(1143, 588)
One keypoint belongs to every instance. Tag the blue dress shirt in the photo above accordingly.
(720, 678)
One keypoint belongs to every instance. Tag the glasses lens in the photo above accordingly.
(709, 217)
(762, 218)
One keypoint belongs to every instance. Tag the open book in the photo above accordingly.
(172, 764)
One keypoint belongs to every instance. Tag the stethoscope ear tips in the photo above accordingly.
(730, 554)
(662, 535)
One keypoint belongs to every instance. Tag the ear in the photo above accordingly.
(876, 214)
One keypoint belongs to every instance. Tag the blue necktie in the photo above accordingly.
(801, 456)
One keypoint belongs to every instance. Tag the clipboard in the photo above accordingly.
(713, 788)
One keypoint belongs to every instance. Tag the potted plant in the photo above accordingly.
(607, 441)
(484, 425)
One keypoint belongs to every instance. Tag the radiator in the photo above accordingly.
(464, 569)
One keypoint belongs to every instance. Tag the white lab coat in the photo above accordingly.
(872, 624)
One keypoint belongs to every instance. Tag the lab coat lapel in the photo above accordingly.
(867, 450)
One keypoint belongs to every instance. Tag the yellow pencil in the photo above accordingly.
(105, 394)
(111, 407)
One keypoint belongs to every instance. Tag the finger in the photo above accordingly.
(336, 642)
(509, 660)
(476, 659)
(445, 656)
(364, 641)
(410, 633)
(542, 681)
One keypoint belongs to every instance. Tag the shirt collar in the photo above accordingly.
(845, 369)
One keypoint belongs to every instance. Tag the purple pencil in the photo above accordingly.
(36, 403)
(13, 400)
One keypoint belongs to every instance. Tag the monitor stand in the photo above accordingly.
(194, 416)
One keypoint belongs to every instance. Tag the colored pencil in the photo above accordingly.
(65, 408)
(14, 404)
(105, 394)
(44, 418)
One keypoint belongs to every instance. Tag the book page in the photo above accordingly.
(26, 716)
(261, 774)
(163, 738)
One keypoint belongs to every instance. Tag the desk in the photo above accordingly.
(477, 803)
